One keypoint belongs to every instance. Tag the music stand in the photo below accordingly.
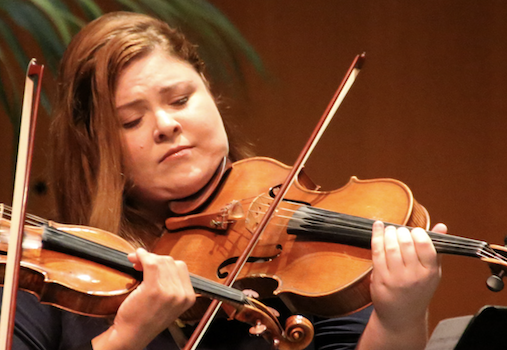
(486, 330)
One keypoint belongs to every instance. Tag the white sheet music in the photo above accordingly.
(447, 333)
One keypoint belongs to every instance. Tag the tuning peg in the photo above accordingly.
(258, 329)
(495, 282)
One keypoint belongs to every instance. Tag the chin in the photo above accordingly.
(189, 186)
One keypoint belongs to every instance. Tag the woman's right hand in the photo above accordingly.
(163, 295)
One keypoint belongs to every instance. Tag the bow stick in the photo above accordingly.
(23, 165)
(324, 121)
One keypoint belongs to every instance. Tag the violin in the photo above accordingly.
(86, 271)
(315, 252)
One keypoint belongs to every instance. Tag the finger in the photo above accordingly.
(174, 272)
(186, 282)
(182, 270)
(134, 259)
(377, 247)
(406, 244)
(424, 247)
(154, 266)
(174, 281)
(439, 228)
(394, 258)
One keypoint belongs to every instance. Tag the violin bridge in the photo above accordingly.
(217, 221)
(256, 211)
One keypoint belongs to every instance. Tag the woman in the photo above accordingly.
(135, 128)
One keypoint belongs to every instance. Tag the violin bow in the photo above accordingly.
(317, 133)
(23, 165)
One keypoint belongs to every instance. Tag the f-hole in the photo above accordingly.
(253, 259)
(274, 190)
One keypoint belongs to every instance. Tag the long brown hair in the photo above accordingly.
(87, 169)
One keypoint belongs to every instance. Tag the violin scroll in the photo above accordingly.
(299, 329)
(298, 332)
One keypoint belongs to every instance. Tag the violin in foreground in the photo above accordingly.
(85, 270)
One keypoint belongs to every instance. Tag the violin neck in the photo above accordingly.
(63, 242)
(323, 225)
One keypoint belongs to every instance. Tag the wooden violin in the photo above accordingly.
(86, 270)
(315, 253)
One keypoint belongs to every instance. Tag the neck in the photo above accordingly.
(145, 220)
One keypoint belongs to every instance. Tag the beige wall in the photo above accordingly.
(429, 109)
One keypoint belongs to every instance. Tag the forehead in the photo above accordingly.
(156, 70)
(158, 62)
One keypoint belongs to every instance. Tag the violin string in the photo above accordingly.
(339, 223)
(465, 244)
(30, 218)
(475, 247)
(492, 254)
(38, 221)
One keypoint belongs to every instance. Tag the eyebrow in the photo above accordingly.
(161, 91)
(129, 104)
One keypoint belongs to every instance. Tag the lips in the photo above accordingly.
(172, 151)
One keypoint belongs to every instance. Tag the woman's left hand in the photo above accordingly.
(406, 273)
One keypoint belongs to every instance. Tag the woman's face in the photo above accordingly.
(173, 135)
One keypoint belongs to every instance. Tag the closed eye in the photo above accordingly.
(131, 124)
(180, 102)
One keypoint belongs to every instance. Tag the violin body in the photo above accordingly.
(311, 275)
(69, 282)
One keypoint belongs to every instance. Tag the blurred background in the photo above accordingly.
(429, 108)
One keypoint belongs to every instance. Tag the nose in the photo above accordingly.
(166, 126)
